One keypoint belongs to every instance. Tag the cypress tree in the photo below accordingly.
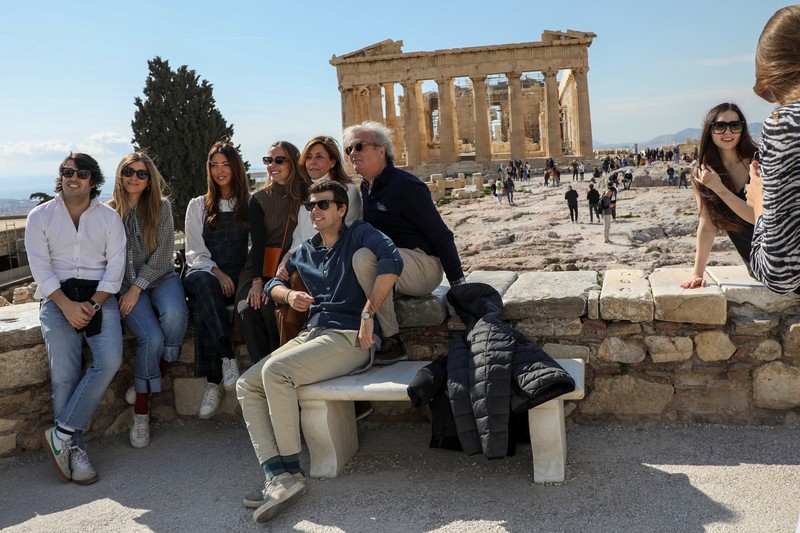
(176, 123)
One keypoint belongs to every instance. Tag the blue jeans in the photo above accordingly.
(75, 399)
(158, 320)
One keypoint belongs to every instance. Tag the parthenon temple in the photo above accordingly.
(510, 101)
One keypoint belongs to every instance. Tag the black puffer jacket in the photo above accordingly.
(492, 369)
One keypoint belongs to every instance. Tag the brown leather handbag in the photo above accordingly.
(272, 255)
(289, 320)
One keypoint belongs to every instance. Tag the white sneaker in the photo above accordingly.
(230, 373)
(130, 395)
(82, 471)
(212, 397)
(59, 451)
(140, 431)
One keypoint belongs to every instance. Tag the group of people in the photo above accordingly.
(311, 262)
(604, 206)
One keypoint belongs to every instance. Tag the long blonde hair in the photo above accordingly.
(149, 211)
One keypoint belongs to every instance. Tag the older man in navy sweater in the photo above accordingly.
(398, 204)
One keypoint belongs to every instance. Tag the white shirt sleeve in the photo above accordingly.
(198, 257)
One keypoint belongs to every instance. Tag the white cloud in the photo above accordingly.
(724, 61)
(109, 137)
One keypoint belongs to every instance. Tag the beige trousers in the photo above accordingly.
(267, 391)
(422, 273)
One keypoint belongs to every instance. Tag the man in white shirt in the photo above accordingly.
(76, 249)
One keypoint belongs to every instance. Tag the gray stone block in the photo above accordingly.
(549, 295)
(626, 295)
(423, 311)
(19, 326)
(740, 288)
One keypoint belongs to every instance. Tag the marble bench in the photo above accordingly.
(329, 425)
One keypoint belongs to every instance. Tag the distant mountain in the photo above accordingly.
(674, 138)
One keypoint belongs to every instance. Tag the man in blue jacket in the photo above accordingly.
(398, 204)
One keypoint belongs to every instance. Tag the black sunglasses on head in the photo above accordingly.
(322, 204)
(127, 172)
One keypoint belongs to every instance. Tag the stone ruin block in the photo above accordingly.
(702, 305)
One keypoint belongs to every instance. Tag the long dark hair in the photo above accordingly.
(297, 182)
(239, 186)
(709, 155)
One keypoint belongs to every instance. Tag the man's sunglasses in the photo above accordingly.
(322, 204)
(267, 160)
(68, 172)
(141, 174)
(736, 126)
(357, 147)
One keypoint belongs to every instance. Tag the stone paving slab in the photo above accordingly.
(740, 288)
(19, 325)
(626, 295)
(549, 294)
(703, 305)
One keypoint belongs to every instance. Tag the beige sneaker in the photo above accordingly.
(255, 499)
(59, 451)
(279, 493)
(230, 373)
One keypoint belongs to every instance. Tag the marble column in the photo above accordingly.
(425, 128)
(553, 147)
(391, 118)
(516, 116)
(584, 122)
(411, 122)
(448, 144)
(375, 103)
(348, 106)
(483, 147)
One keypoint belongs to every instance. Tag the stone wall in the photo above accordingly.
(656, 354)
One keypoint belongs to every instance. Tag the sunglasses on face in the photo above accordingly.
(357, 147)
(267, 160)
(736, 126)
(68, 172)
(127, 172)
(322, 204)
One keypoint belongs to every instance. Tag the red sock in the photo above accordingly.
(142, 405)
(164, 365)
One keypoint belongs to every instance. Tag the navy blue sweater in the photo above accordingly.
(400, 206)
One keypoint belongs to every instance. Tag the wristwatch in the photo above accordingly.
(95, 305)
(366, 316)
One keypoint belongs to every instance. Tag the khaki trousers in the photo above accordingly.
(267, 391)
(422, 273)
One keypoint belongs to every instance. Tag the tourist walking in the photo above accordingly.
(571, 197)
(217, 231)
(509, 189)
(76, 250)
(720, 179)
(605, 207)
(593, 197)
(774, 189)
(152, 303)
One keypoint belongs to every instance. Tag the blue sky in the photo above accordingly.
(72, 69)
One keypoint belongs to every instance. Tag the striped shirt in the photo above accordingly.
(775, 255)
